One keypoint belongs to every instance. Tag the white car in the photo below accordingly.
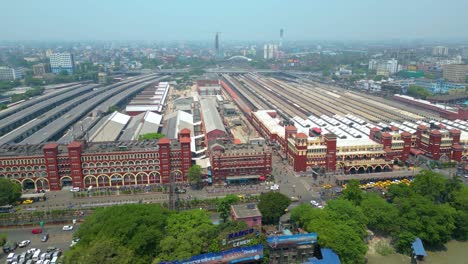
(314, 203)
(274, 187)
(67, 228)
(75, 189)
(24, 243)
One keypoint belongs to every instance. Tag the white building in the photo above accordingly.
(61, 62)
(270, 51)
(440, 51)
(388, 67)
(10, 74)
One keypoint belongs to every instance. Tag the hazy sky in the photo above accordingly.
(236, 19)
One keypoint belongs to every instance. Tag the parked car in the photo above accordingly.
(75, 189)
(28, 201)
(36, 231)
(24, 243)
(67, 228)
(9, 247)
(294, 199)
(45, 237)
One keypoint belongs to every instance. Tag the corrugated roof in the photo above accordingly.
(211, 118)
(111, 129)
(418, 247)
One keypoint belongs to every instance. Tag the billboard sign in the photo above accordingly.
(292, 240)
(238, 239)
(232, 256)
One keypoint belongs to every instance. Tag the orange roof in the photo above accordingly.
(74, 144)
(422, 127)
(375, 129)
(386, 134)
(185, 140)
(185, 131)
(51, 146)
(454, 131)
(237, 141)
(301, 135)
(435, 132)
(164, 141)
(291, 127)
(406, 134)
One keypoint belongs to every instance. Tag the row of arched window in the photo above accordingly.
(119, 163)
(23, 168)
(21, 161)
(23, 175)
(112, 170)
(150, 155)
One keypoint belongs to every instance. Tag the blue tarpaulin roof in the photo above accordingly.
(418, 247)
(329, 257)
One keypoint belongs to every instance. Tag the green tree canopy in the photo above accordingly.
(138, 228)
(102, 251)
(195, 175)
(187, 233)
(429, 184)
(224, 206)
(381, 214)
(10, 191)
(272, 206)
(418, 91)
(352, 192)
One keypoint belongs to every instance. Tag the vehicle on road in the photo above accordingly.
(24, 243)
(51, 249)
(36, 231)
(9, 247)
(274, 187)
(7, 209)
(314, 203)
(75, 189)
(74, 241)
(44, 238)
(294, 199)
(28, 201)
(67, 228)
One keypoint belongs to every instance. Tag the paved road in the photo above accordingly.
(57, 238)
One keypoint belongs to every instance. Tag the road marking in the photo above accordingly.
(308, 188)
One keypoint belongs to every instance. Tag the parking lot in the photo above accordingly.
(57, 238)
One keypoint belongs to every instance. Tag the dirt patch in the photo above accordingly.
(372, 244)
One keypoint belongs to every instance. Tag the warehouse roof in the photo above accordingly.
(111, 129)
(175, 122)
(211, 118)
(144, 123)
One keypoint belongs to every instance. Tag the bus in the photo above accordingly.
(7, 209)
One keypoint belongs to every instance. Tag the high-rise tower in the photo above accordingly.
(217, 49)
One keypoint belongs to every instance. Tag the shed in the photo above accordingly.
(418, 249)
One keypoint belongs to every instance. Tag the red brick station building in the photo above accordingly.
(83, 164)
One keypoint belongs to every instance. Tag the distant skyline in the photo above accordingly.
(259, 20)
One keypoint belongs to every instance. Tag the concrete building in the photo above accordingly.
(270, 51)
(40, 69)
(10, 74)
(102, 78)
(239, 163)
(83, 164)
(62, 62)
(440, 51)
(455, 72)
(384, 67)
(212, 123)
(247, 213)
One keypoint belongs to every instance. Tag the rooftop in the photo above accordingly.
(211, 118)
(245, 210)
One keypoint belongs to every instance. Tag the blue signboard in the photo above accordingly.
(232, 256)
(292, 240)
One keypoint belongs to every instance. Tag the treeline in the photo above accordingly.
(432, 208)
(150, 234)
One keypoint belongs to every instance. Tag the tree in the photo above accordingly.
(188, 233)
(460, 203)
(224, 206)
(3, 106)
(272, 206)
(353, 192)
(194, 175)
(137, 228)
(433, 223)
(112, 109)
(345, 211)
(3, 239)
(10, 191)
(429, 184)
(382, 216)
(418, 91)
(103, 251)
(403, 242)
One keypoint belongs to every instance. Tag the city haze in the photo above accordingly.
(54, 20)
